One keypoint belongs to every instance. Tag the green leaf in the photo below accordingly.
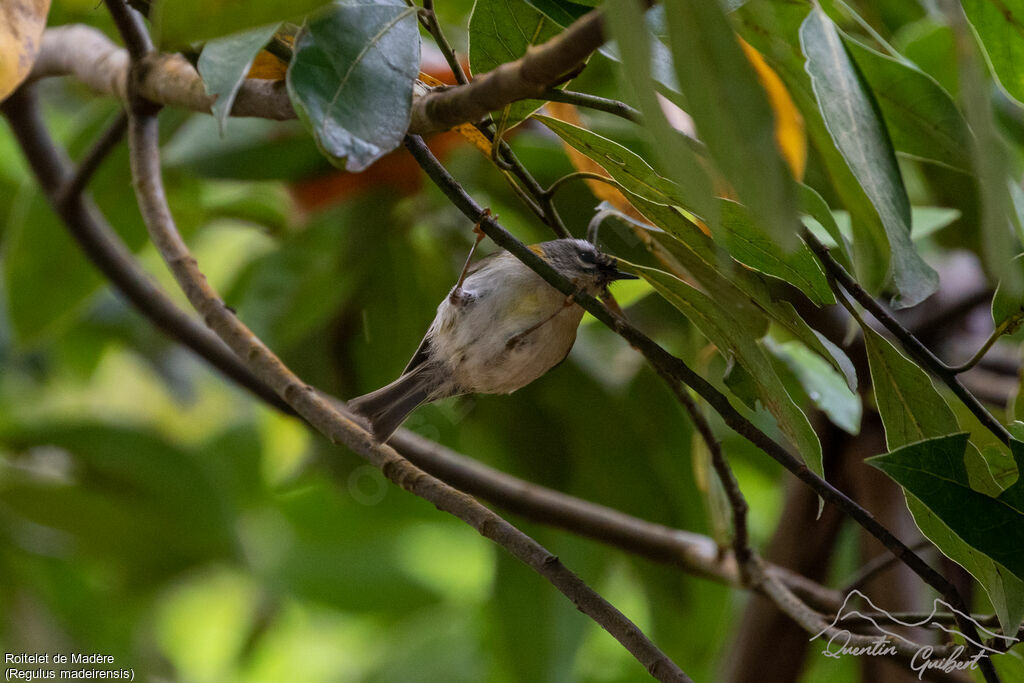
(912, 411)
(741, 383)
(858, 132)
(744, 292)
(732, 114)
(748, 244)
(501, 31)
(626, 22)
(626, 167)
(1005, 591)
(934, 471)
(931, 46)
(351, 79)
(562, 12)
(745, 239)
(816, 208)
(999, 26)
(921, 117)
(927, 220)
(824, 386)
(733, 336)
(774, 29)
(910, 407)
(180, 22)
(224, 63)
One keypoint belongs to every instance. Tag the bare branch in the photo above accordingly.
(665, 362)
(170, 80)
(105, 249)
(321, 413)
(525, 78)
(737, 502)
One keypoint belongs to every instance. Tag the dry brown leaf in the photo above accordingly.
(21, 30)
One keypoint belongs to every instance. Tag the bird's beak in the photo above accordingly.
(610, 273)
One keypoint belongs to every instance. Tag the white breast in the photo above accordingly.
(474, 337)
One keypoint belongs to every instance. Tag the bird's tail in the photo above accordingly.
(387, 408)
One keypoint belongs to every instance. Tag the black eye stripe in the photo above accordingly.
(588, 258)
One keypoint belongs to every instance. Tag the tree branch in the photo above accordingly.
(527, 77)
(170, 80)
(665, 362)
(319, 412)
(693, 553)
(105, 249)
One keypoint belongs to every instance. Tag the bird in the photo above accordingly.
(499, 328)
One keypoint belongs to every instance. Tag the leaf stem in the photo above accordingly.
(576, 175)
(1003, 328)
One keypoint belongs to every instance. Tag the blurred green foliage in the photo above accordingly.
(152, 511)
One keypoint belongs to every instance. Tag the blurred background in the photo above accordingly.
(152, 511)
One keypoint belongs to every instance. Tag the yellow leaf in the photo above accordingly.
(466, 130)
(789, 124)
(269, 66)
(21, 30)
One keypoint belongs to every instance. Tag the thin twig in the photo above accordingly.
(595, 102)
(665, 362)
(817, 624)
(1002, 328)
(876, 565)
(146, 173)
(92, 160)
(429, 20)
(530, 191)
(910, 342)
(577, 175)
(737, 502)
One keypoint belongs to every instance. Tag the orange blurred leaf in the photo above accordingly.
(466, 130)
(789, 124)
(269, 66)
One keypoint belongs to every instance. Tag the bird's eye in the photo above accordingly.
(588, 258)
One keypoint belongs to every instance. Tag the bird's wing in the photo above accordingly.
(422, 353)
